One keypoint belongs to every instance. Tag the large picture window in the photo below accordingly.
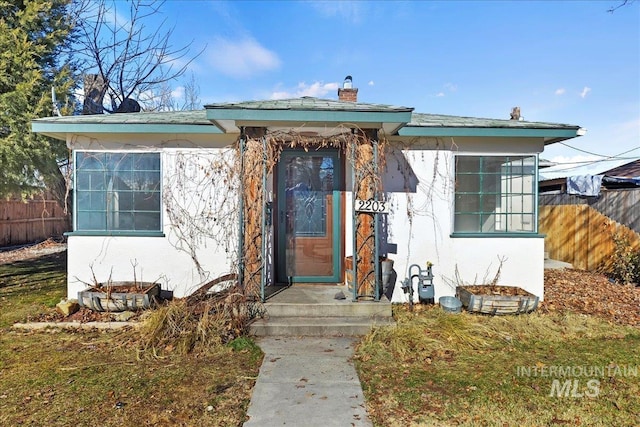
(117, 192)
(495, 194)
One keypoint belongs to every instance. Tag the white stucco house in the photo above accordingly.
(266, 189)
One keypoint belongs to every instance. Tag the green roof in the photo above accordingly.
(165, 122)
(307, 103)
(194, 117)
(436, 125)
(227, 117)
(439, 120)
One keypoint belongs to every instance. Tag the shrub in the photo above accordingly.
(201, 325)
(625, 266)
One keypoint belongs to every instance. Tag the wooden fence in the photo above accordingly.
(30, 221)
(581, 235)
(621, 205)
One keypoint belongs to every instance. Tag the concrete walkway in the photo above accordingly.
(553, 264)
(307, 381)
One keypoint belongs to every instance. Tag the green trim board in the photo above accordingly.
(511, 235)
(488, 132)
(116, 233)
(115, 128)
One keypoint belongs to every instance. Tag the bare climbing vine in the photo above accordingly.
(200, 195)
(427, 190)
(202, 189)
(201, 192)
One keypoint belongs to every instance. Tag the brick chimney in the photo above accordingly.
(347, 92)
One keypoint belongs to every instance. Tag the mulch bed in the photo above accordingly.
(497, 290)
(84, 315)
(578, 291)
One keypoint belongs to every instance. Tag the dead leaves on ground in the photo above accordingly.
(590, 293)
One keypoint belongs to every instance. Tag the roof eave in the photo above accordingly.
(579, 132)
(60, 130)
(550, 135)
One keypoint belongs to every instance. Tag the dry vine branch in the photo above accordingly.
(494, 281)
(203, 193)
(202, 203)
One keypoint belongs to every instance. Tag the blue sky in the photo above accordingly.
(560, 61)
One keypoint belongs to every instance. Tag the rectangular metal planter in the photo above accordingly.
(120, 296)
(480, 299)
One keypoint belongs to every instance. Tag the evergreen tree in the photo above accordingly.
(34, 35)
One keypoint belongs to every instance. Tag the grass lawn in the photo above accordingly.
(432, 369)
(98, 378)
(443, 369)
(32, 286)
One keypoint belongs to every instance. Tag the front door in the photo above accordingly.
(308, 245)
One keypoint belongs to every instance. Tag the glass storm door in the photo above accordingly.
(308, 203)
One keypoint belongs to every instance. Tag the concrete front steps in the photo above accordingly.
(312, 310)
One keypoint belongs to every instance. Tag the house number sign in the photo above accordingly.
(372, 206)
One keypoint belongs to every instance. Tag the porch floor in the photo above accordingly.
(311, 294)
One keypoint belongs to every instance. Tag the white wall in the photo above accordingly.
(157, 259)
(209, 239)
(421, 186)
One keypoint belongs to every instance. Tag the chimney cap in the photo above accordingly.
(348, 83)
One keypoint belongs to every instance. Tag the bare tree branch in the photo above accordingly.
(621, 4)
(131, 57)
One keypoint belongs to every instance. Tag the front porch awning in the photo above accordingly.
(307, 113)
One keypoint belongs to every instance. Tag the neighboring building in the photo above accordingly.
(586, 209)
(608, 173)
(161, 192)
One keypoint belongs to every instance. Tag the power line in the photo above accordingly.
(581, 162)
(591, 162)
(599, 155)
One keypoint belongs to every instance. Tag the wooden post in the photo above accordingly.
(252, 208)
(365, 237)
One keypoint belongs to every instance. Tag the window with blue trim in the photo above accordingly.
(117, 192)
(495, 194)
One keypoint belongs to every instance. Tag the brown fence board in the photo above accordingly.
(621, 205)
(32, 220)
(581, 235)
